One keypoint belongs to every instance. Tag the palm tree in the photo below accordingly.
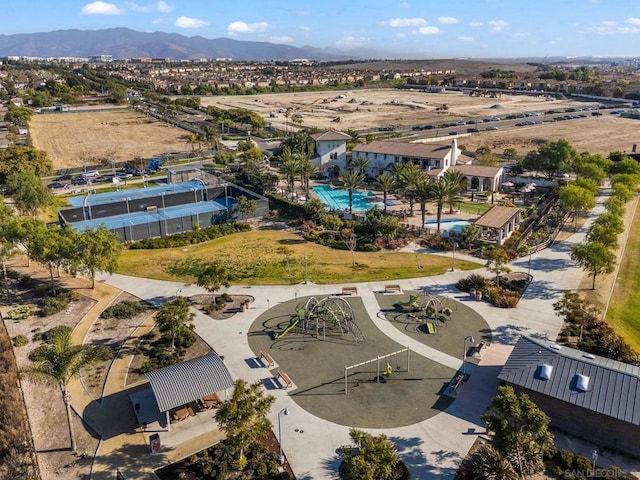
(307, 170)
(289, 167)
(362, 163)
(58, 361)
(441, 192)
(457, 182)
(212, 137)
(422, 191)
(386, 182)
(407, 174)
(351, 181)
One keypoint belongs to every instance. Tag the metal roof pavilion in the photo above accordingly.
(184, 382)
(613, 388)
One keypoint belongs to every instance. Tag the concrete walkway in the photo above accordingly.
(432, 448)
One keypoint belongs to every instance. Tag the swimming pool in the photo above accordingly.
(338, 199)
(450, 224)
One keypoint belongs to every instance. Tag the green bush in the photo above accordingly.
(124, 310)
(199, 235)
(21, 312)
(20, 341)
(565, 458)
(473, 281)
(26, 281)
(47, 337)
(226, 297)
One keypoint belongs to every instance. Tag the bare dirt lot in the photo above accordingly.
(89, 136)
(364, 109)
(605, 134)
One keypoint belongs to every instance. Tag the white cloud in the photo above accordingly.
(101, 8)
(497, 25)
(632, 21)
(465, 39)
(426, 31)
(352, 41)
(448, 20)
(610, 23)
(304, 28)
(188, 22)
(401, 35)
(632, 26)
(159, 21)
(404, 5)
(281, 39)
(406, 22)
(476, 24)
(520, 34)
(242, 27)
(160, 6)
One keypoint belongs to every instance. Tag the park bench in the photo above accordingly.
(432, 328)
(392, 289)
(349, 291)
(285, 378)
(478, 348)
(267, 358)
(456, 383)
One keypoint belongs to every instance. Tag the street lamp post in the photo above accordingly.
(306, 264)
(178, 292)
(284, 411)
(453, 257)
(464, 354)
(529, 269)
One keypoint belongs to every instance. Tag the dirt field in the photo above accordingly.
(605, 134)
(364, 109)
(89, 136)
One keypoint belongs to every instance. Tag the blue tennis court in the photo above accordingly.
(138, 193)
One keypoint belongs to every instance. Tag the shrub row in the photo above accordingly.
(198, 235)
(286, 208)
(123, 310)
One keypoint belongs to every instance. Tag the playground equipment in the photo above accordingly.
(330, 315)
(412, 303)
(387, 372)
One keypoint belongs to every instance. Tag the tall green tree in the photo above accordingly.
(55, 248)
(28, 232)
(595, 258)
(422, 191)
(441, 191)
(28, 192)
(387, 182)
(98, 250)
(369, 457)
(361, 164)
(551, 158)
(457, 182)
(214, 276)
(487, 463)
(246, 206)
(497, 260)
(19, 158)
(520, 430)
(174, 319)
(243, 416)
(351, 181)
(58, 361)
(307, 170)
(289, 168)
(406, 174)
(19, 116)
(575, 199)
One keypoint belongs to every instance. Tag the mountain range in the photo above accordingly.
(123, 43)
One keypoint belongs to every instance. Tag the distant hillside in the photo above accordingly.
(126, 43)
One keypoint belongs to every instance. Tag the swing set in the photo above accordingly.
(380, 375)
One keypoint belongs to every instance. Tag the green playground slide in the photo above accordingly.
(300, 313)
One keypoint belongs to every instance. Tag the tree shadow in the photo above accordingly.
(508, 334)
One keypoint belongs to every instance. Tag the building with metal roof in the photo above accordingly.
(136, 214)
(187, 381)
(585, 395)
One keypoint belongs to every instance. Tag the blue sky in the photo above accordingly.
(403, 29)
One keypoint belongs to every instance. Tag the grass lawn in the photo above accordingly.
(473, 208)
(268, 257)
(624, 308)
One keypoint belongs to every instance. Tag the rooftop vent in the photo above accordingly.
(582, 382)
(556, 347)
(589, 356)
(545, 371)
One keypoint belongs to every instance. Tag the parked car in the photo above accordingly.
(56, 185)
(66, 176)
(124, 175)
(472, 130)
(491, 128)
(79, 181)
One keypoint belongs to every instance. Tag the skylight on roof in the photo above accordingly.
(545, 371)
(582, 382)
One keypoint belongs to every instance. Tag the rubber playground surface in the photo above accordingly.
(317, 366)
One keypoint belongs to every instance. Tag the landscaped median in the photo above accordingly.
(274, 257)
